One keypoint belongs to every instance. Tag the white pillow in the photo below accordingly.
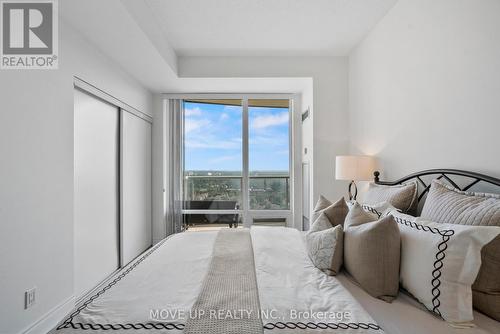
(325, 245)
(439, 263)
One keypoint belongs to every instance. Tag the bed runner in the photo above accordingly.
(228, 301)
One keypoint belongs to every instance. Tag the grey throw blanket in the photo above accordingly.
(228, 301)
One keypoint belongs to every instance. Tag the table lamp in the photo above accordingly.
(354, 168)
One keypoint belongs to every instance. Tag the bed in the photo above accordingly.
(165, 289)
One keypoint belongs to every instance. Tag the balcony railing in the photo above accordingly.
(265, 192)
(205, 193)
(269, 192)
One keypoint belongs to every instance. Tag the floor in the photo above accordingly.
(209, 227)
(216, 227)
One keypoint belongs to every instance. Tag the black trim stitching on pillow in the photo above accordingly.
(372, 210)
(321, 325)
(440, 255)
(378, 213)
(78, 325)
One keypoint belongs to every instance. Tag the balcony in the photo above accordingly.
(223, 193)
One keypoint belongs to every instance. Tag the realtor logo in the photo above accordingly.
(29, 34)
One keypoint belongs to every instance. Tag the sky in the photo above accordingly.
(213, 138)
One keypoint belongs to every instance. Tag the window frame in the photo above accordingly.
(294, 213)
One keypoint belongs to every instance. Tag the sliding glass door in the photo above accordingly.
(236, 165)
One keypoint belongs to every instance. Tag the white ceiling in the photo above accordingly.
(146, 37)
(266, 27)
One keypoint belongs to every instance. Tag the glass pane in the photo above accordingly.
(269, 154)
(212, 154)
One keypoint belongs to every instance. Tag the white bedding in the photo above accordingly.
(406, 316)
(169, 279)
(292, 286)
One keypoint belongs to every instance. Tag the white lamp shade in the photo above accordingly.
(354, 167)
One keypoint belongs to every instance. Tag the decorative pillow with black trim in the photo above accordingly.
(445, 204)
(439, 263)
(403, 197)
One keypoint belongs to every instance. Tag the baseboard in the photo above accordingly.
(155, 241)
(51, 318)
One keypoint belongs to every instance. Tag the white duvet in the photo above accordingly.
(156, 292)
(298, 292)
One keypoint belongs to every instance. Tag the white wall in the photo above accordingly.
(424, 87)
(307, 148)
(328, 108)
(36, 175)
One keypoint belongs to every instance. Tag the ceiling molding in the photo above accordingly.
(142, 14)
(110, 27)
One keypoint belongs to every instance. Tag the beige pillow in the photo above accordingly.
(486, 287)
(325, 247)
(444, 204)
(403, 197)
(335, 212)
(320, 224)
(372, 252)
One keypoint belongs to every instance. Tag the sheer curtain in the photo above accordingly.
(175, 117)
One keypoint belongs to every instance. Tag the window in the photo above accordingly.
(236, 161)
(269, 154)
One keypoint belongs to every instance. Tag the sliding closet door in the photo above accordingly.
(96, 154)
(135, 186)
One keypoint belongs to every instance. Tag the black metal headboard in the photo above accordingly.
(474, 178)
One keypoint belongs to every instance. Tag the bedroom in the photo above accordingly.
(95, 148)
